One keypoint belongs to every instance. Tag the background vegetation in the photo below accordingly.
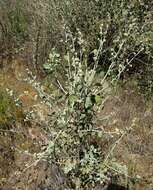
(82, 48)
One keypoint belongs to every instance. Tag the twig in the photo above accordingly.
(114, 146)
(117, 171)
(61, 87)
(129, 62)
(10, 131)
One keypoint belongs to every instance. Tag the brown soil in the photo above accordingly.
(19, 143)
(128, 110)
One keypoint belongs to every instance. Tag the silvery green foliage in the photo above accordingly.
(53, 61)
(74, 146)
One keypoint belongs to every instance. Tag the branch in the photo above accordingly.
(61, 87)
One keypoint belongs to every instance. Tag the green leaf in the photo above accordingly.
(47, 66)
(66, 57)
(72, 99)
(98, 99)
(88, 102)
(95, 51)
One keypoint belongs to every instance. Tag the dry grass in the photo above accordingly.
(127, 108)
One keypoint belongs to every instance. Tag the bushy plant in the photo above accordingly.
(74, 145)
(126, 30)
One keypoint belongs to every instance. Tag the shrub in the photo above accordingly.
(74, 146)
(126, 33)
